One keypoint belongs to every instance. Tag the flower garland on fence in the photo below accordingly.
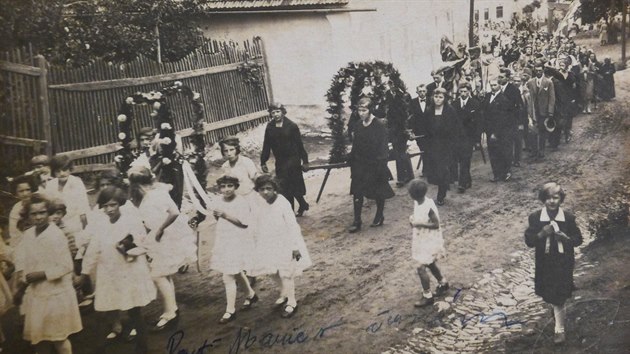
(252, 72)
(364, 79)
(163, 120)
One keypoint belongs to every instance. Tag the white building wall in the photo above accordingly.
(305, 51)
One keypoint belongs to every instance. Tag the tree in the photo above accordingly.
(591, 11)
(77, 32)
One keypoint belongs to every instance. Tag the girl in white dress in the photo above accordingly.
(170, 242)
(44, 265)
(280, 247)
(239, 166)
(123, 281)
(234, 243)
(71, 190)
(427, 245)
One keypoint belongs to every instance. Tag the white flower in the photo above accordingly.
(87, 46)
(122, 136)
(156, 105)
(129, 100)
(154, 114)
(157, 95)
(165, 141)
(66, 29)
(118, 158)
(177, 84)
(196, 96)
(166, 160)
(166, 126)
(122, 118)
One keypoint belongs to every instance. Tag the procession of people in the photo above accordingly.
(136, 238)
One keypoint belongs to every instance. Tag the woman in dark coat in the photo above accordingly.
(554, 233)
(607, 80)
(368, 165)
(443, 131)
(283, 138)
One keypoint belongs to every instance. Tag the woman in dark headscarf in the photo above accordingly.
(368, 164)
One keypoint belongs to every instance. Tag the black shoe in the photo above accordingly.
(247, 304)
(461, 189)
(354, 228)
(289, 311)
(378, 221)
(424, 302)
(302, 209)
(227, 317)
(441, 289)
(163, 324)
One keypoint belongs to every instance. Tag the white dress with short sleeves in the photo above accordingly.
(120, 284)
(277, 235)
(177, 247)
(233, 246)
(50, 306)
(427, 245)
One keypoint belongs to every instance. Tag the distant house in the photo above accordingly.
(308, 41)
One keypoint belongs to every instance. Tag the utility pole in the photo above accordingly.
(471, 33)
(624, 13)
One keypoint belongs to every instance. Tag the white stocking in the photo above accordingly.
(560, 314)
(248, 287)
(288, 283)
(166, 288)
(63, 347)
(229, 281)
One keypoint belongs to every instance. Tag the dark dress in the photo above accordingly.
(287, 147)
(368, 161)
(554, 271)
(443, 133)
(607, 81)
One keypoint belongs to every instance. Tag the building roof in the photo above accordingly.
(272, 4)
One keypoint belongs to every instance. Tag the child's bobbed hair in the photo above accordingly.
(140, 175)
(228, 179)
(231, 141)
(549, 189)
(109, 175)
(114, 193)
(36, 198)
(417, 189)
(265, 179)
(57, 205)
(60, 162)
(23, 179)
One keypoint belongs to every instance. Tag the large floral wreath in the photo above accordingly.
(161, 113)
(369, 79)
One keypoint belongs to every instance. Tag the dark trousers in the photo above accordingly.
(357, 201)
(104, 327)
(462, 170)
(300, 199)
(404, 169)
(517, 144)
(442, 188)
(537, 140)
(422, 145)
(500, 153)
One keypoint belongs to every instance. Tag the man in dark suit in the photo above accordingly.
(418, 121)
(397, 114)
(438, 81)
(543, 98)
(468, 111)
(513, 94)
(564, 83)
(498, 126)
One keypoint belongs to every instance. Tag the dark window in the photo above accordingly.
(499, 11)
(477, 15)
(486, 14)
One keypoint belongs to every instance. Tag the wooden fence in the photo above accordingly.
(24, 117)
(83, 102)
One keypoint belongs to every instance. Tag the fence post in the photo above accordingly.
(44, 106)
(266, 67)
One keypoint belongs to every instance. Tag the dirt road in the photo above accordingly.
(358, 297)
